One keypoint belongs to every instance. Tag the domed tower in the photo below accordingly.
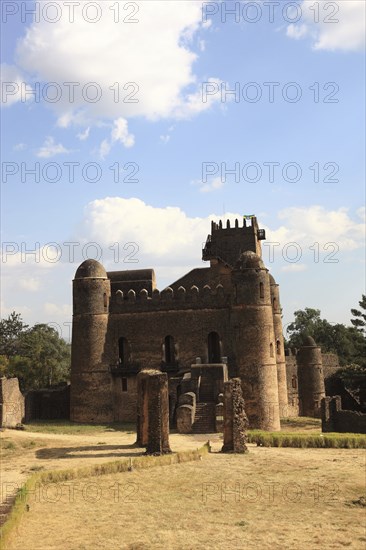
(311, 378)
(279, 348)
(91, 394)
(254, 342)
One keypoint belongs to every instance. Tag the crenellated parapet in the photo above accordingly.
(168, 299)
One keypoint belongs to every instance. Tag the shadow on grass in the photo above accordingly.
(100, 451)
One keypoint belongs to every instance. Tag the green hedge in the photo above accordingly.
(307, 441)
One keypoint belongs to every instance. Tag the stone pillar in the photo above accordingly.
(235, 419)
(153, 412)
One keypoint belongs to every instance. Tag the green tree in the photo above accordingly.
(347, 342)
(359, 321)
(37, 356)
(11, 330)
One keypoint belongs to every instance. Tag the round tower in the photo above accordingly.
(279, 348)
(91, 393)
(255, 345)
(310, 377)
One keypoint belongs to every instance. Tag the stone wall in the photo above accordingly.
(48, 404)
(334, 419)
(330, 363)
(11, 403)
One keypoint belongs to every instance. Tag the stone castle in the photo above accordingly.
(213, 324)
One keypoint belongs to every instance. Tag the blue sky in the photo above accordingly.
(167, 60)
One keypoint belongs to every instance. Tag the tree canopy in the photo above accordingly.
(348, 343)
(37, 356)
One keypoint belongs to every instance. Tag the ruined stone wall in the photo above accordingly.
(334, 419)
(153, 411)
(11, 403)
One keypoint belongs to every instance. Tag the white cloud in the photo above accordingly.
(165, 138)
(297, 31)
(13, 86)
(30, 284)
(84, 135)
(104, 149)
(341, 24)
(154, 55)
(119, 134)
(51, 149)
(315, 224)
(215, 184)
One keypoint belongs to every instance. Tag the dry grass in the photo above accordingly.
(269, 498)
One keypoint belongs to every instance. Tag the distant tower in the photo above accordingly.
(279, 348)
(227, 243)
(91, 393)
(252, 318)
(310, 378)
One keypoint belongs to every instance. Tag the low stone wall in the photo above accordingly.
(334, 419)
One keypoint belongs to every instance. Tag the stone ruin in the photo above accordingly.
(11, 403)
(235, 420)
(153, 412)
(200, 403)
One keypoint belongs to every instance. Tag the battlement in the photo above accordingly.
(168, 299)
(227, 243)
(249, 224)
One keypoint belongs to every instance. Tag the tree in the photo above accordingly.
(347, 342)
(37, 356)
(44, 358)
(11, 330)
(359, 322)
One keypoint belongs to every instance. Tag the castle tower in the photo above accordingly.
(279, 348)
(227, 243)
(91, 388)
(252, 320)
(310, 377)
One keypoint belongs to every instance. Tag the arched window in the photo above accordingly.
(169, 350)
(274, 303)
(294, 382)
(261, 290)
(123, 351)
(214, 348)
(271, 350)
(278, 347)
(105, 301)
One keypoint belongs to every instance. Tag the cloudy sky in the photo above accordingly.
(128, 126)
